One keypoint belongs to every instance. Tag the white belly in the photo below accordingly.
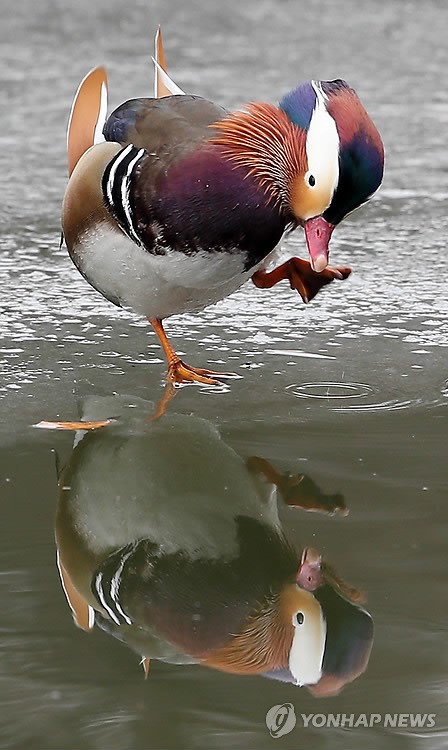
(157, 286)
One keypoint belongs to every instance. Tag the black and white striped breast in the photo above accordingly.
(107, 581)
(116, 187)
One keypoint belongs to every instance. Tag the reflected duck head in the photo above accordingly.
(287, 631)
(314, 632)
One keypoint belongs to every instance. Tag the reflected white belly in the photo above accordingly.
(134, 485)
(157, 286)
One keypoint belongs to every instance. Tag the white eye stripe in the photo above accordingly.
(322, 146)
(308, 645)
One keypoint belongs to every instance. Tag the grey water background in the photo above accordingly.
(351, 390)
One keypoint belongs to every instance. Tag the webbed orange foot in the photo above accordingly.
(179, 372)
(298, 490)
(308, 282)
(301, 277)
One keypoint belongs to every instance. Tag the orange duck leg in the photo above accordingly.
(178, 371)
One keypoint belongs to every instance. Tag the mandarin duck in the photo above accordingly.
(171, 541)
(173, 202)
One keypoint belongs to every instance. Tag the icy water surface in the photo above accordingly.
(350, 391)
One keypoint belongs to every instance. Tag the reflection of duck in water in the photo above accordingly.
(170, 541)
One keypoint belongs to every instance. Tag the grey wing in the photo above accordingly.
(163, 127)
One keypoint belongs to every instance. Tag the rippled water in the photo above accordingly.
(350, 391)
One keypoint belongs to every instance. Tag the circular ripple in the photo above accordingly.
(330, 390)
(393, 405)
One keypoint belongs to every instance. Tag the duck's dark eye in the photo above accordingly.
(311, 180)
(300, 618)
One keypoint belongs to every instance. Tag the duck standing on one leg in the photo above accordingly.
(179, 202)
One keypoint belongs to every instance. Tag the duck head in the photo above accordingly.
(345, 159)
(312, 632)
(318, 155)
(287, 632)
